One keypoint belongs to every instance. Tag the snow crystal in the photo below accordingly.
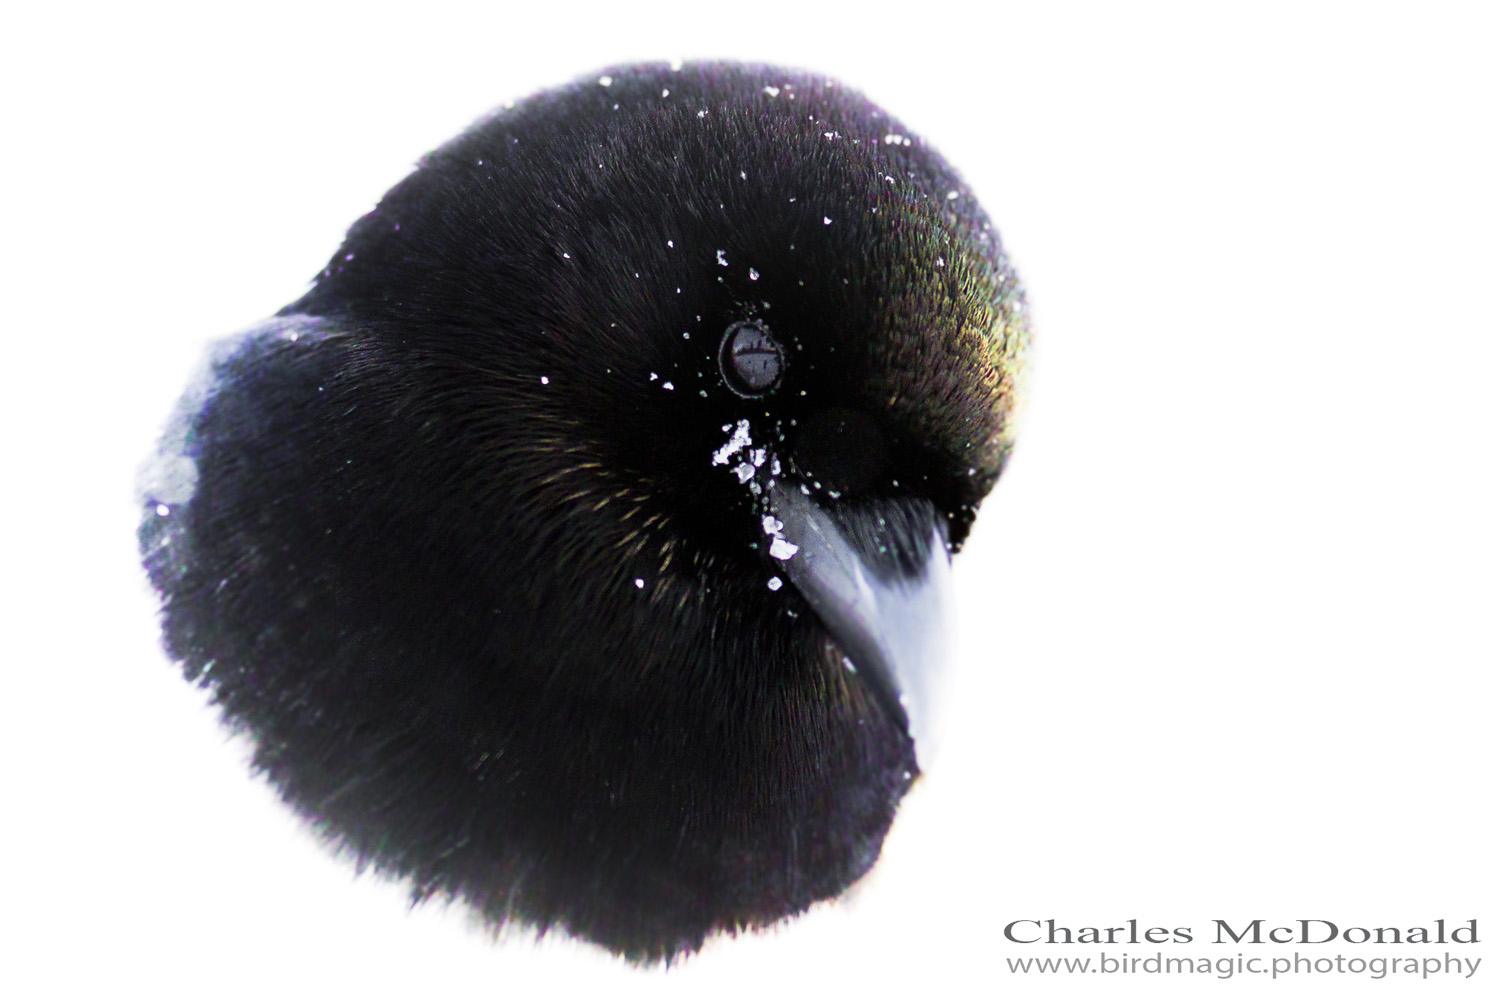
(782, 549)
(737, 441)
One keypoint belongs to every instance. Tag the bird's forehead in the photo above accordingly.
(814, 211)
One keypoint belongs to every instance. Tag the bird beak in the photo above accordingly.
(890, 622)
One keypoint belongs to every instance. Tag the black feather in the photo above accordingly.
(440, 539)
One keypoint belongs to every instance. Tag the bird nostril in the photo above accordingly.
(843, 449)
(750, 359)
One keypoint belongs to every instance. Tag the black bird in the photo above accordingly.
(570, 548)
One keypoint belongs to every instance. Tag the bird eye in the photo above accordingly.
(750, 359)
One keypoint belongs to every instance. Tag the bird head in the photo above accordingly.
(648, 413)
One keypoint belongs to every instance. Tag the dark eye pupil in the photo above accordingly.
(750, 359)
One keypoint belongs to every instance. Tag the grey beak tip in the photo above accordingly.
(891, 625)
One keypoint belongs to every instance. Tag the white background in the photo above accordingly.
(1228, 624)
